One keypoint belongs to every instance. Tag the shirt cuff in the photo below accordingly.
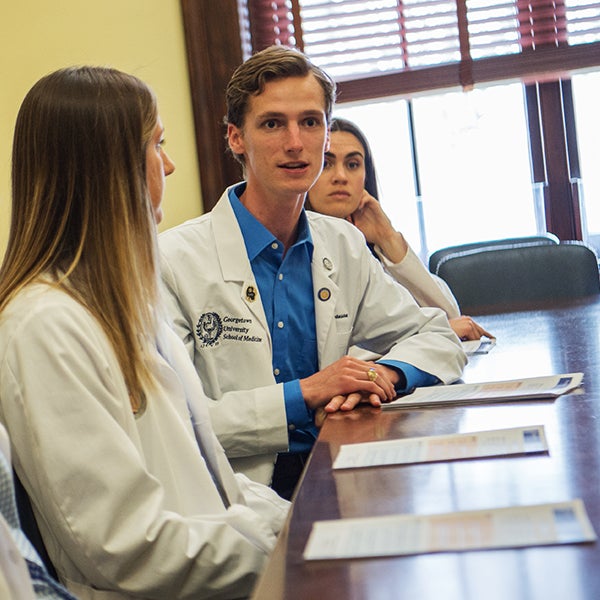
(410, 377)
(297, 413)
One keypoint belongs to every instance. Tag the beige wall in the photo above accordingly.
(143, 37)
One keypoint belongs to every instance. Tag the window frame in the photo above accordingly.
(218, 41)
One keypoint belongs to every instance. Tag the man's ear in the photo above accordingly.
(328, 139)
(235, 139)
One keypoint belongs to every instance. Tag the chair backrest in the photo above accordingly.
(534, 240)
(522, 273)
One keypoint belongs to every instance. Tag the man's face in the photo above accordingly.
(284, 136)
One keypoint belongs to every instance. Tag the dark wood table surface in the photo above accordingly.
(558, 339)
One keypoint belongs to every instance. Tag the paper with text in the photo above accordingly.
(480, 346)
(511, 527)
(498, 442)
(532, 388)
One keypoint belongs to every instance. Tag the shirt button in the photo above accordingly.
(280, 276)
(280, 324)
(274, 245)
(276, 371)
(292, 427)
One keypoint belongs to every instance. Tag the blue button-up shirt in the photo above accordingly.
(286, 289)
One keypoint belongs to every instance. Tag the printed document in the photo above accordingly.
(498, 442)
(532, 388)
(480, 346)
(511, 527)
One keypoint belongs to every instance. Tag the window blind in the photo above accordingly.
(374, 48)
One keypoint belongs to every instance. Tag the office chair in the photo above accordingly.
(500, 276)
(534, 240)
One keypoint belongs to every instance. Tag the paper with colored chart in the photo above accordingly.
(396, 535)
(497, 442)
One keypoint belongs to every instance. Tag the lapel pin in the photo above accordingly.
(324, 294)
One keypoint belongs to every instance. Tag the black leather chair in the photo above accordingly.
(495, 277)
(534, 240)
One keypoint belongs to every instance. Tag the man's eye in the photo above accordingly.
(270, 124)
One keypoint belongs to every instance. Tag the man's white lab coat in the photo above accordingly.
(216, 309)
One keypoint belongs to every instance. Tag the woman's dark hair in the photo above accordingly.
(338, 124)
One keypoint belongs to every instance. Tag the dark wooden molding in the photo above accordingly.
(213, 45)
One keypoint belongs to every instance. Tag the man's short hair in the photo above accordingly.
(272, 63)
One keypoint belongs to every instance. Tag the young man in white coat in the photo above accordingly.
(268, 298)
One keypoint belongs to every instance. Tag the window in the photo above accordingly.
(465, 142)
(512, 161)
(375, 48)
(433, 46)
(586, 91)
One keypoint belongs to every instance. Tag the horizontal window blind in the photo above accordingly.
(375, 48)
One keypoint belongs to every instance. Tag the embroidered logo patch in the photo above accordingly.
(209, 328)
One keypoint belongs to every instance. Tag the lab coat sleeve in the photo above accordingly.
(176, 314)
(426, 288)
(74, 445)
(263, 501)
(388, 321)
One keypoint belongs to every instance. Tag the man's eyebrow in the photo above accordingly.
(270, 115)
(309, 112)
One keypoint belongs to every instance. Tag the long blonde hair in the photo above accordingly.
(81, 212)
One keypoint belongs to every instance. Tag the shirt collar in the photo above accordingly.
(256, 236)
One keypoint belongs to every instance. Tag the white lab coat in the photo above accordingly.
(426, 288)
(127, 506)
(214, 302)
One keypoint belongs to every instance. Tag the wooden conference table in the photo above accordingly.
(559, 339)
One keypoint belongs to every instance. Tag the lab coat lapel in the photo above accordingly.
(326, 293)
(233, 259)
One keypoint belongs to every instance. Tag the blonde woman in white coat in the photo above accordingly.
(347, 188)
(108, 423)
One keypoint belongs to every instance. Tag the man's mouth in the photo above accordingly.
(294, 165)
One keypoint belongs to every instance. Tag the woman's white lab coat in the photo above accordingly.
(214, 302)
(426, 288)
(127, 507)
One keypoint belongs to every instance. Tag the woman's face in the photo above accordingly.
(158, 166)
(339, 188)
